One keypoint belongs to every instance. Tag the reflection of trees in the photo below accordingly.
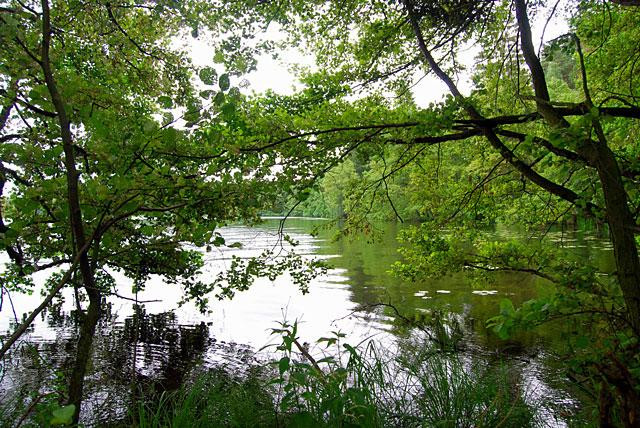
(367, 268)
(164, 351)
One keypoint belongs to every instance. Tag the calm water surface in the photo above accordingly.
(156, 339)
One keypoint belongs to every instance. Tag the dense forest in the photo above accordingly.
(119, 154)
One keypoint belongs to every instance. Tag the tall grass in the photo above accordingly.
(449, 391)
(214, 399)
(417, 386)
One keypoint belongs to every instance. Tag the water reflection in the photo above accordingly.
(152, 350)
(158, 343)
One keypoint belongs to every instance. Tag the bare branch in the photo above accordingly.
(583, 70)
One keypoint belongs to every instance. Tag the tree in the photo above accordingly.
(569, 142)
(102, 166)
(94, 83)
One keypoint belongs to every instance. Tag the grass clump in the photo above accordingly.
(447, 391)
(418, 385)
(214, 399)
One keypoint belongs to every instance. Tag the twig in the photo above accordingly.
(113, 293)
(32, 406)
(13, 308)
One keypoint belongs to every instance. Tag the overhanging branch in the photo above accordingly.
(544, 143)
(488, 131)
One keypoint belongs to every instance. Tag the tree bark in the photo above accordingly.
(75, 217)
(621, 227)
(83, 354)
(599, 155)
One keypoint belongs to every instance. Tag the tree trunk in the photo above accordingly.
(83, 353)
(75, 218)
(621, 224)
(600, 156)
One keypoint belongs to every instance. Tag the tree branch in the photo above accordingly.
(328, 131)
(124, 32)
(626, 2)
(9, 137)
(550, 186)
(36, 109)
(544, 143)
(511, 269)
(436, 139)
(6, 109)
(543, 101)
(52, 293)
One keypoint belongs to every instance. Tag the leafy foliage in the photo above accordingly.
(362, 386)
(107, 138)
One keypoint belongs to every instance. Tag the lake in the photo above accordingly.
(155, 339)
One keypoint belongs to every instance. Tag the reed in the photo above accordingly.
(418, 385)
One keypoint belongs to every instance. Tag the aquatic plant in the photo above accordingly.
(351, 386)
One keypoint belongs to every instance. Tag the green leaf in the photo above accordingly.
(329, 340)
(228, 111)
(63, 415)
(283, 365)
(192, 115)
(165, 101)
(219, 99)
(506, 307)
(304, 195)
(224, 82)
(170, 135)
(206, 94)
(502, 331)
(149, 126)
(218, 57)
(208, 75)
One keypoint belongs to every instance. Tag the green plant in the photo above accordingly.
(215, 398)
(420, 384)
(450, 391)
(325, 392)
